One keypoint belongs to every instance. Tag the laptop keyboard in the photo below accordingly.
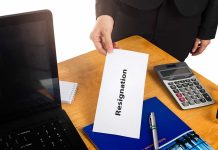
(47, 136)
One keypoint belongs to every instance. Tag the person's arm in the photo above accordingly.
(101, 34)
(209, 21)
(106, 7)
(208, 27)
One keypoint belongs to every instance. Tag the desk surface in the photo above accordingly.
(87, 70)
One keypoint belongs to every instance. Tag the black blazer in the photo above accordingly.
(207, 8)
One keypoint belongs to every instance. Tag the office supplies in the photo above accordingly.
(30, 106)
(183, 85)
(89, 73)
(172, 131)
(153, 126)
(121, 94)
(68, 91)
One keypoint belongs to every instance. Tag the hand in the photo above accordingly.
(101, 34)
(199, 46)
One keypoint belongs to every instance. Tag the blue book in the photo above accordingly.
(173, 133)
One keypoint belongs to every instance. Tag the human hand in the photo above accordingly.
(199, 46)
(101, 34)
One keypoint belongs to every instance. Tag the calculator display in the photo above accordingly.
(174, 72)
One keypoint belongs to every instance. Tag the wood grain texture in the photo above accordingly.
(87, 70)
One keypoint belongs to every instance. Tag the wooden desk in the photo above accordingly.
(87, 70)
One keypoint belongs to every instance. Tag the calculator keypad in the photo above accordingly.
(189, 93)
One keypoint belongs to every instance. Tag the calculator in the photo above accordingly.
(183, 85)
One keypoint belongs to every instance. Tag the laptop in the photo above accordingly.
(31, 117)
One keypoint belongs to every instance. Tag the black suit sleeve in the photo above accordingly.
(209, 21)
(106, 7)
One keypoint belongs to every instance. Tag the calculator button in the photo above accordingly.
(182, 81)
(185, 84)
(199, 96)
(179, 85)
(176, 91)
(182, 90)
(193, 88)
(197, 101)
(196, 92)
(188, 80)
(176, 82)
(202, 91)
(185, 94)
(202, 100)
(199, 87)
(188, 98)
(194, 97)
(196, 83)
(185, 103)
(191, 93)
(182, 99)
(170, 83)
(173, 87)
(190, 84)
(191, 102)
(188, 89)
(179, 94)
(193, 79)
(207, 97)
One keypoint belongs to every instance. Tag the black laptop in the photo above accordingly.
(31, 117)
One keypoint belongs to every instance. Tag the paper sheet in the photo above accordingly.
(121, 94)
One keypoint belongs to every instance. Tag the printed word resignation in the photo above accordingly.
(121, 95)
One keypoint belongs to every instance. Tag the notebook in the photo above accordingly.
(173, 133)
(30, 106)
(68, 91)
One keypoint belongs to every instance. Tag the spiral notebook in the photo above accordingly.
(68, 91)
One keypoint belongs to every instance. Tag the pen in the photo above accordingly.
(153, 127)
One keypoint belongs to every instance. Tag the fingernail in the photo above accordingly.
(110, 50)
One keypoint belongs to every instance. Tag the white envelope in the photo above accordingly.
(120, 100)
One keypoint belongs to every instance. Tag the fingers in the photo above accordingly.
(199, 50)
(102, 42)
(107, 42)
(96, 38)
(196, 45)
(201, 47)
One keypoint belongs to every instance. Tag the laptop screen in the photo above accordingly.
(28, 68)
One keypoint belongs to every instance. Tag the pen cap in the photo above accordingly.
(152, 121)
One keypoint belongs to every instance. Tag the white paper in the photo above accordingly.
(68, 91)
(124, 74)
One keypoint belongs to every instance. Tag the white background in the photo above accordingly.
(74, 20)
